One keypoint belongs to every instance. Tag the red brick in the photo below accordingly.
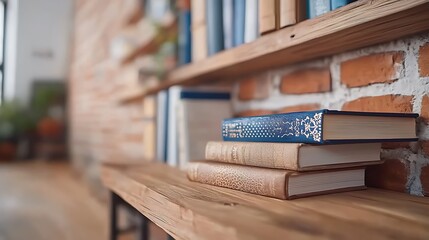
(258, 112)
(307, 81)
(424, 60)
(376, 68)
(254, 88)
(299, 108)
(386, 103)
(392, 175)
(425, 147)
(424, 179)
(424, 112)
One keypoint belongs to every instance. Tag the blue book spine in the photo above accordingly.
(185, 37)
(318, 7)
(339, 3)
(227, 23)
(302, 127)
(239, 17)
(214, 26)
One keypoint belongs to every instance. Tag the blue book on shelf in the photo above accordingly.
(318, 7)
(185, 38)
(339, 3)
(322, 127)
(239, 17)
(215, 42)
(228, 20)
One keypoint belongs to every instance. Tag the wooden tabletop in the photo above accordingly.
(188, 210)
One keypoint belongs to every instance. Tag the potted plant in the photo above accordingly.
(15, 124)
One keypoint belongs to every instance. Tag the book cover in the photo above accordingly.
(228, 21)
(275, 183)
(193, 120)
(215, 42)
(292, 12)
(269, 19)
(239, 22)
(294, 156)
(300, 127)
(251, 28)
(184, 38)
(199, 30)
(339, 3)
(318, 7)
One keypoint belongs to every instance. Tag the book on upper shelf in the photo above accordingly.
(198, 30)
(276, 183)
(238, 24)
(294, 156)
(215, 42)
(251, 28)
(269, 19)
(184, 36)
(318, 7)
(291, 12)
(322, 126)
(228, 21)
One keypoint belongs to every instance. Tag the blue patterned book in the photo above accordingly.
(318, 7)
(322, 127)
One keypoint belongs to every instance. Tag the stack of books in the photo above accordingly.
(300, 154)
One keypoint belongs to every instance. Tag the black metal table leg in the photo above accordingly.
(113, 216)
(143, 228)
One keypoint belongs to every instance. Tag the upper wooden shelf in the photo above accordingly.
(188, 210)
(360, 24)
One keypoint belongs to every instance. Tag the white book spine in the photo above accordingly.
(251, 21)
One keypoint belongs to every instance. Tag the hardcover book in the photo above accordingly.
(198, 124)
(294, 156)
(239, 22)
(199, 30)
(276, 183)
(269, 19)
(251, 29)
(321, 127)
(291, 12)
(185, 38)
(318, 7)
(339, 3)
(215, 42)
(228, 21)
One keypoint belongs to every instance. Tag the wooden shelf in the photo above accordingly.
(188, 210)
(360, 24)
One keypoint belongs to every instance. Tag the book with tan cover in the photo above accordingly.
(294, 156)
(276, 183)
(291, 12)
(269, 19)
(198, 30)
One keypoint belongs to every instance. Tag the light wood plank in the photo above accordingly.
(360, 24)
(188, 210)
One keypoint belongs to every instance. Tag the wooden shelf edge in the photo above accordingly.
(360, 24)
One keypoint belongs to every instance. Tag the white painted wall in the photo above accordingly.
(38, 44)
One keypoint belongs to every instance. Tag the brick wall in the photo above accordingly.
(101, 129)
(392, 77)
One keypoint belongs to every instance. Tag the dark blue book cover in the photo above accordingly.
(299, 127)
(215, 42)
(239, 16)
(185, 38)
(339, 3)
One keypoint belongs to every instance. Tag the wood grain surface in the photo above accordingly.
(188, 210)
